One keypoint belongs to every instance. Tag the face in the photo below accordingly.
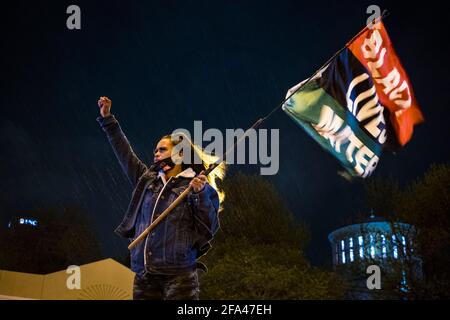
(163, 150)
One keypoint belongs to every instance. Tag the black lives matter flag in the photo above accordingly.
(357, 101)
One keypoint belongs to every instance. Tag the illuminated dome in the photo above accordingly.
(389, 245)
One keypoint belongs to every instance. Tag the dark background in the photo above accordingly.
(167, 63)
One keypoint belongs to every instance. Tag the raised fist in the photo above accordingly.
(104, 103)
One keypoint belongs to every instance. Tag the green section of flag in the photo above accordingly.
(334, 128)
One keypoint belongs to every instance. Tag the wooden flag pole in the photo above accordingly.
(161, 216)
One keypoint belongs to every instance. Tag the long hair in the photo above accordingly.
(206, 160)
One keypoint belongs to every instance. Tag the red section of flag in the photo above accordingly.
(374, 50)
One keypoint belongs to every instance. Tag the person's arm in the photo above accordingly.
(130, 163)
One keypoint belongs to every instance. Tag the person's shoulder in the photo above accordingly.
(210, 190)
(149, 174)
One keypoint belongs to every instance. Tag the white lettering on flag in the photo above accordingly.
(372, 108)
(351, 86)
(394, 87)
(333, 128)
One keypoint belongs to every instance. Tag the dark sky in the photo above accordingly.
(167, 63)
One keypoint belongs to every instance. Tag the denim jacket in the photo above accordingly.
(176, 242)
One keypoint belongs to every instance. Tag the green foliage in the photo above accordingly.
(258, 253)
(254, 211)
(425, 203)
(248, 271)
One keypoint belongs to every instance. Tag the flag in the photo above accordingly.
(358, 101)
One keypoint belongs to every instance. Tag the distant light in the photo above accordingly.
(343, 250)
(350, 244)
(404, 245)
(372, 247)
(31, 222)
(361, 247)
(404, 284)
(383, 242)
(394, 241)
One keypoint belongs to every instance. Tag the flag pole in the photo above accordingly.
(177, 201)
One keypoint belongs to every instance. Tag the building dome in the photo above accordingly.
(376, 241)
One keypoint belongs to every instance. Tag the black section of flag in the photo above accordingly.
(336, 81)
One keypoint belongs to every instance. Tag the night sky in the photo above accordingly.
(165, 64)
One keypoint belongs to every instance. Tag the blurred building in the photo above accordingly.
(36, 242)
(39, 239)
(102, 280)
(388, 245)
